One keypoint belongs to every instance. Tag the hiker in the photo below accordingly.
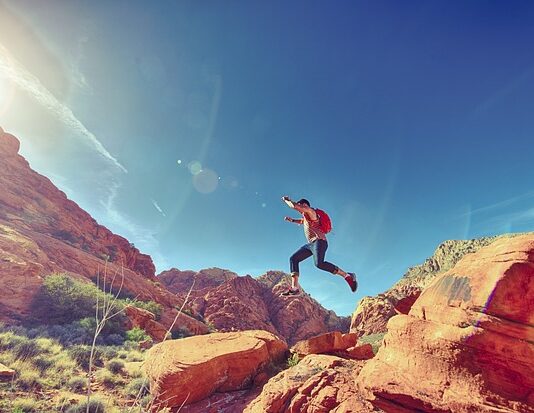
(315, 232)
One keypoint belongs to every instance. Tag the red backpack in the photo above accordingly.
(325, 224)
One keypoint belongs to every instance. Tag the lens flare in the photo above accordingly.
(195, 167)
(206, 181)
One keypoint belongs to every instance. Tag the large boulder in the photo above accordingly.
(328, 343)
(317, 384)
(185, 371)
(372, 313)
(467, 344)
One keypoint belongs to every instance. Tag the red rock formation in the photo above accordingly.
(372, 314)
(188, 370)
(328, 343)
(138, 317)
(6, 374)
(179, 282)
(467, 344)
(317, 384)
(41, 232)
(230, 303)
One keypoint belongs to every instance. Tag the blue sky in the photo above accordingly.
(410, 123)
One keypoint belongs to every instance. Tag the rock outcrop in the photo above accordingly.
(467, 343)
(372, 314)
(328, 343)
(6, 374)
(230, 303)
(185, 371)
(42, 232)
(317, 384)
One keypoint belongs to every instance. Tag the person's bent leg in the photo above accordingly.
(319, 251)
(303, 253)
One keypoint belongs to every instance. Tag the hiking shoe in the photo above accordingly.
(290, 292)
(351, 281)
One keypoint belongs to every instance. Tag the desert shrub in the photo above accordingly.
(115, 366)
(374, 339)
(27, 348)
(25, 405)
(62, 300)
(95, 406)
(151, 306)
(81, 354)
(136, 334)
(43, 363)
(77, 384)
(137, 388)
(27, 378)
(107, 378)
(9, 340)
(293, 360)
(135, 355)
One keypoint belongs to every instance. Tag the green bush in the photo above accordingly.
(137, 335)
(81, 354)
(25, 405)
(62, 300)
(137, 388)
(107, 378)
(374, 339)
(27, 348)
(95, 406)
(77, 384)
(115, 366)
(43, 363)
(293, 360)
(151, 306)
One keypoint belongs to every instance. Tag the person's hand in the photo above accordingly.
(285, 198)
(288, 219)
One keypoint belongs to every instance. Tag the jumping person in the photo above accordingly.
(316, 246)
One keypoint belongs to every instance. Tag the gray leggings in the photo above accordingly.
(316, 248)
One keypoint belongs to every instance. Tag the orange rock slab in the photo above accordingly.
(188, 370)
(467, 344)
(317, 384)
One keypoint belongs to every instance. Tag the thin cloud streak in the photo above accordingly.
(26, 81)
(498, 205)
(156, 205)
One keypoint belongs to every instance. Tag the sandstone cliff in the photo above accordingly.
(42, 231)
(372, 314)
(230, 303)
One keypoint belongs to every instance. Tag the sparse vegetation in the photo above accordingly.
(54, 369)
(115, 366)
(293, 360)
(374, 339)
(137, 335)
(95, 406)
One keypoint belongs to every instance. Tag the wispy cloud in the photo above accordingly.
(15, 72)
(499, 205)
(156, 205)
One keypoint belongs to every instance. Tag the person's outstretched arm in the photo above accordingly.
(303, 209)
(295, 221)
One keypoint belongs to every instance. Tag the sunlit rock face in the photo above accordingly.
(185, 371)
(372, 313)
(467, 343)
(230, 303)
(42, 231)
(317, 384)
